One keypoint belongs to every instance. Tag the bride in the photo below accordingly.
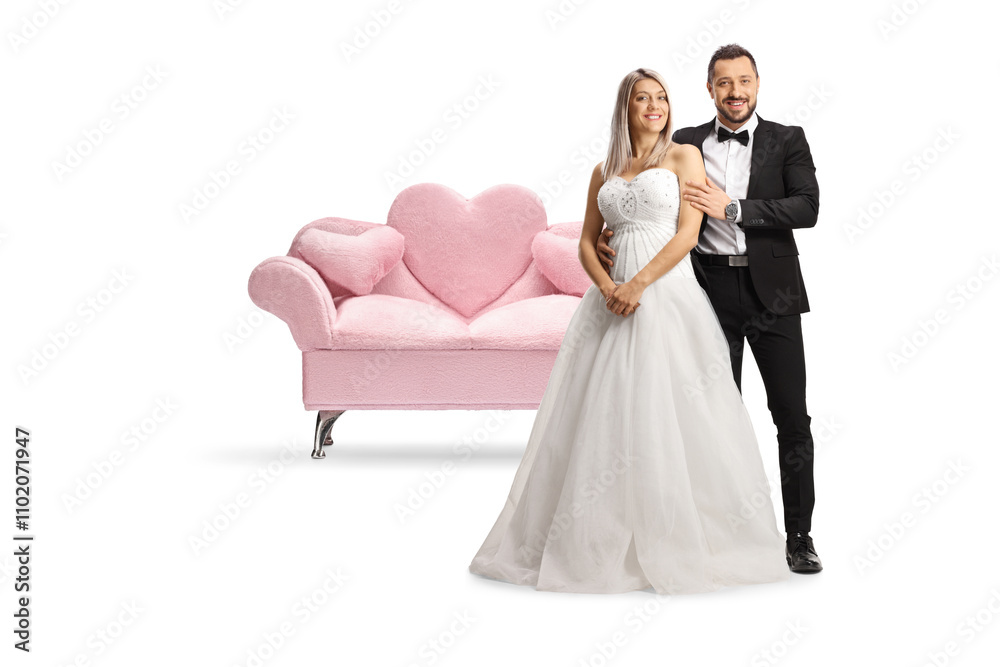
(642, 468)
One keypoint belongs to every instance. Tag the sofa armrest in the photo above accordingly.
(295, 292)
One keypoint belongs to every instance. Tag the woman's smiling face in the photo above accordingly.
(648, 108)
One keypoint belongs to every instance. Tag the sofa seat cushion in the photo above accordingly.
(385, 322)
(538, 323)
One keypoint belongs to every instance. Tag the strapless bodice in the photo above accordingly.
(643, 214)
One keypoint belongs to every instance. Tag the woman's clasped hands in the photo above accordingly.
(623, 299)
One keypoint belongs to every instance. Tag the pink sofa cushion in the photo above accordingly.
(538, 323)
(558, 259)
(467, 252)
(385, 322)
(351, 264)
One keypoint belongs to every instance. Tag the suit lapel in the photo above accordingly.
(762, 148)
(701, 132)
(699, 135)
(761, 152)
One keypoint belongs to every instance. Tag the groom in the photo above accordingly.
(747, 262)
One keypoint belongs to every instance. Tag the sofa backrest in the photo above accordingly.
(466, 256)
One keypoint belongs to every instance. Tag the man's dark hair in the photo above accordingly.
(729, 52)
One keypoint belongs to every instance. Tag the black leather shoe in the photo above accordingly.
(801, 555)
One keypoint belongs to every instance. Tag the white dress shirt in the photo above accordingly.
(727, 164)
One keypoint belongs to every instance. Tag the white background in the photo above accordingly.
(874, 84)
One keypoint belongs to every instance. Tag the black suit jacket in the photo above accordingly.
(782, 195)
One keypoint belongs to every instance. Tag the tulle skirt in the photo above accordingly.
(642, 468)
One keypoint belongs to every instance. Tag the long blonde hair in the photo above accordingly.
(620, 145)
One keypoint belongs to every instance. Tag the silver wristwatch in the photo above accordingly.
(732, 209)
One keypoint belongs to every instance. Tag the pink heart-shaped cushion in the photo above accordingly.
(351, 264)
(467, 252)
(557, 257)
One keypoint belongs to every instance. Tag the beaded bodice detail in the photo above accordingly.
(643, 213)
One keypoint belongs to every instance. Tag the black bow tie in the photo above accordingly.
(742, 137)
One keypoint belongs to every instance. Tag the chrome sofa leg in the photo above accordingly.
(324, 428)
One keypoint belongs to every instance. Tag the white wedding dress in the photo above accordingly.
(642, 468)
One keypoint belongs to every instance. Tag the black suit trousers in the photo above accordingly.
(776, 342)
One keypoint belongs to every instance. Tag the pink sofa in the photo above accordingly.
(454, 303)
